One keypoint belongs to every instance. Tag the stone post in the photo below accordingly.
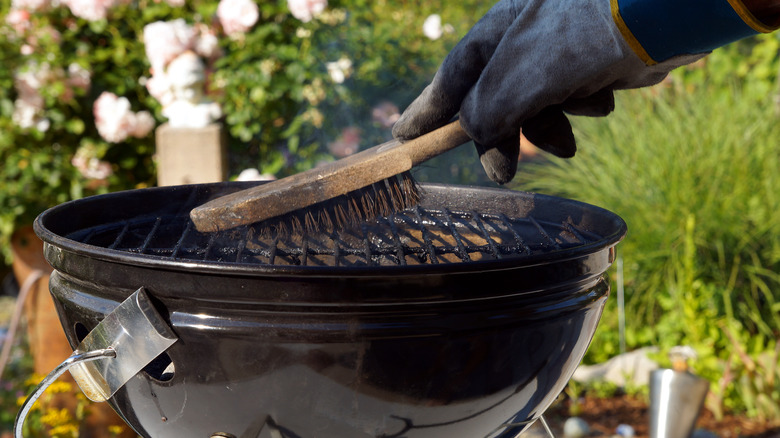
(191, 155)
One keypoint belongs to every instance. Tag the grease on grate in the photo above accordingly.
(396, 242)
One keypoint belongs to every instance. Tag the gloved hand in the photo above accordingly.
(526, 64)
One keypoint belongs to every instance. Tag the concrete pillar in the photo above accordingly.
(191, 155)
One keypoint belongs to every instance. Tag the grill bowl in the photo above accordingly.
(413, 333)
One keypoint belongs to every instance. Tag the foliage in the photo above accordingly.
(46, 418)
(282, 104)
(691, 165)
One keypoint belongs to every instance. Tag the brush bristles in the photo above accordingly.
(347, 211)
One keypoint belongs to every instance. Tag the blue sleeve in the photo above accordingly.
(660, 29)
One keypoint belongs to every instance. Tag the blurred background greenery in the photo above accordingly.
(690, 164)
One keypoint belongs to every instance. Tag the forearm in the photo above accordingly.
(767, 11)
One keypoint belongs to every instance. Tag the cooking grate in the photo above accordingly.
(412, 237)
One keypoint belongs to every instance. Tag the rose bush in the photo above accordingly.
(84, 83)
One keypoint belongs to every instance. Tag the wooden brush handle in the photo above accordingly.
(325, 182)
(425, 147)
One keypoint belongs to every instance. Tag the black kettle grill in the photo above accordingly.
(462, 317)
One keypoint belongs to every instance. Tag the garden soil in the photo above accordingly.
(603, 416)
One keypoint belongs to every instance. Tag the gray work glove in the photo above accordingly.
(525, 64)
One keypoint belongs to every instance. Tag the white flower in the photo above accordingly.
(25, 115)
(186, 71)
(207, 43)
(91, 10)
(237, 16)
(159, 87)
(115, 121)
(306, 10)
(254, 175)
(339, 70)
(29, 5)
(432, 27)
(42, 124)
(165, 40)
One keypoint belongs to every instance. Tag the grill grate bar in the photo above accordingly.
(274, 250)
(366, 245)
(120, 236)
(212, 240)
(247, 235)
(520, 241)
(182, 239)
(336, 250)
(151, 235)
(481, 225)
(544, 233)
(426, 234)
(464, 255)
(305, 250)
(399, 247)
(575, 232)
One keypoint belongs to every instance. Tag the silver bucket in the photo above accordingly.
(676, 397)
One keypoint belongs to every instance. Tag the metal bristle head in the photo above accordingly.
(347, 211)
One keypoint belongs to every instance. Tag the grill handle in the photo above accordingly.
(74, 359)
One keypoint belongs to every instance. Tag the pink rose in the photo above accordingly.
(386, 114)
(347, 143)
(165, 40)
(142, 124)
(237, 16)
(306, 10)
(29, 105)
(79, 77)
(92, 168)
(91, 10)
(115, 121)
(19, 20)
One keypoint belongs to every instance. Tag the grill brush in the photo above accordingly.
(372, 183)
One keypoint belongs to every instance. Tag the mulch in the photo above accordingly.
(603, 415)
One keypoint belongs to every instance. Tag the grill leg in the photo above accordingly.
(546, 427)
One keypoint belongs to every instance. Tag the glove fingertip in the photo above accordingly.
(500, 162)
(551, 131)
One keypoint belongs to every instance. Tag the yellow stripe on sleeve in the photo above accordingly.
(635, 45)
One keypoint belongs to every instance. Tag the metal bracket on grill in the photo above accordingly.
(134, 334)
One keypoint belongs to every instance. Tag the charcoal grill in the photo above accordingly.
(463, 317)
